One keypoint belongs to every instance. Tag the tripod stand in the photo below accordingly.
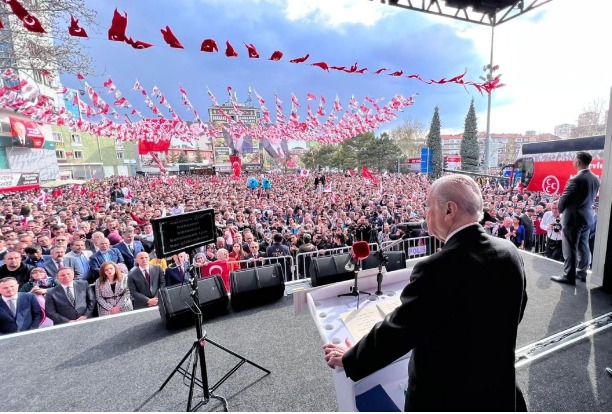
(355, 288)
(196, 354)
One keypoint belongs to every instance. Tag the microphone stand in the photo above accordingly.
(382, 260)
(355, 288)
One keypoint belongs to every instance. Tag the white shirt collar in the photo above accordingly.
(14, 297)
(458, 230)
(71, 285)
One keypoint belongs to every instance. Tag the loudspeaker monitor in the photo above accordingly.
(175, 301)
(329, 269)
(256, 285)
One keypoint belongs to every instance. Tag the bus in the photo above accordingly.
(547, 166)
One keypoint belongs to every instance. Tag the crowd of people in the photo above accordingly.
(89, 250)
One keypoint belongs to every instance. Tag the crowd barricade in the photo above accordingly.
(286, 262)
(304, 259)
(415, 247)
(539, 244)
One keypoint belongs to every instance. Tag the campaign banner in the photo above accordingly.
(26, 133)
(14, 181)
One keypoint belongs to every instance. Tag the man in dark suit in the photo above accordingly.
(21, 140)
(104, 254)
(576, 208)
(129, 247)
(526, 219)
(144, 280)
(476, 280)
(177, 273)
(59, 260)
(18, 311)
(71, 301)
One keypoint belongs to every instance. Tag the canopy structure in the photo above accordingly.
(485, 12)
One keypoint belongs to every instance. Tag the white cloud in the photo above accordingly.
(554, 65)
(335, 13)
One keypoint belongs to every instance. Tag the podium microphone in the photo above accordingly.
(359, 251)
(412, 225)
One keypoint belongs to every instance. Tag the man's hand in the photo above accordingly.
(333, 353)
(152, 301)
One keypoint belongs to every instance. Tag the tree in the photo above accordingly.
(198, 157)
(310, 158)
(434, 143)
(592, 121)
(54, 50)
(511, 151)
(345, 157)
(382, 154)
(173, 159)
(409, 137)
(470, 153)
(182, 158)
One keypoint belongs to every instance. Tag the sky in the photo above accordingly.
(554, 60)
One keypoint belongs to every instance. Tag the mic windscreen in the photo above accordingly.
(361, 250)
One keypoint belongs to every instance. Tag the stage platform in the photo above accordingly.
(118, 363)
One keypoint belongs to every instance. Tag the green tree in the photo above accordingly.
(380, 154)
(470, 153)
(182, 158)
(198, 157)
(434, 143)
(345, 157)
(173, 157)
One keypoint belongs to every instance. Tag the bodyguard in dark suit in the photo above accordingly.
(144, 280)
(18, 311)
(105, 254)
(576, 208)
(129, 248)
(71, 301)
(470, 293)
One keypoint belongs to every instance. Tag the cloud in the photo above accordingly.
(336, 13)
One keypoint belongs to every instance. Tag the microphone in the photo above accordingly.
(412, 225)
(359, 251)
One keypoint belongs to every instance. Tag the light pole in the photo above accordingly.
(489, 68)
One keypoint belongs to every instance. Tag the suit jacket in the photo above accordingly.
(96, 260)
(67, 261)
(127, 254)
(260, 261)
(60, 310)
(141, 290)
(576, 202)
(173, 275)
(470, 293)
(84, 260)
(28, 316)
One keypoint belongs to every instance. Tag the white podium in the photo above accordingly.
(384, 390)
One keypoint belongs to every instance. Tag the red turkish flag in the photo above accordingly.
(209, 45)
(118, 27)
(236, 164)
(229, 50)
(277, 55)
(170, 38)
(367, 174)
(252, 51)
(74, 29)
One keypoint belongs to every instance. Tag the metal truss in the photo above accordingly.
(484, 12)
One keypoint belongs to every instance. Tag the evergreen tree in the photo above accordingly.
(434, 143)
(182, 159)
(198, 157)
(470, 153)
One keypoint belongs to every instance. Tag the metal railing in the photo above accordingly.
(415, 247)
(303, 260)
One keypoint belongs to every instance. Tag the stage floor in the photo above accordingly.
(118, 363)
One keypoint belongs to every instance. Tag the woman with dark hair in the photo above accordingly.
(112, 292)
(235, 255)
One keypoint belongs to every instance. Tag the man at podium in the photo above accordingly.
(459, 314)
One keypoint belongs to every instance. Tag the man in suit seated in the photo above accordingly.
(144, 280)
(105, 253)
(178, 273)
(473, 274)
(59, 260)
(18, 311)
(72, 301)
(129, 247)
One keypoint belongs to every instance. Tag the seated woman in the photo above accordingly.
(236, 255)
(38, 284)
(112, 292)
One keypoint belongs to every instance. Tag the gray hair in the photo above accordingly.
(460, 189)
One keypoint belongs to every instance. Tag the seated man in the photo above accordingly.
(18, 311)
(177, 272)
(59, 260)
(105, 253)
(218, 267)
(144, 280)
(72, 301)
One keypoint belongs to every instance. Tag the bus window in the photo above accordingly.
(523, 172)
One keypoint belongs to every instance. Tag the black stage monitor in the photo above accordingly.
(183, 232)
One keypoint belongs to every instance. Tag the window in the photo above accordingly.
(76, 139)
(57, 137)
(118, 145)
(78, 155)
(60, 154)
(5, 127)
(119, 155)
